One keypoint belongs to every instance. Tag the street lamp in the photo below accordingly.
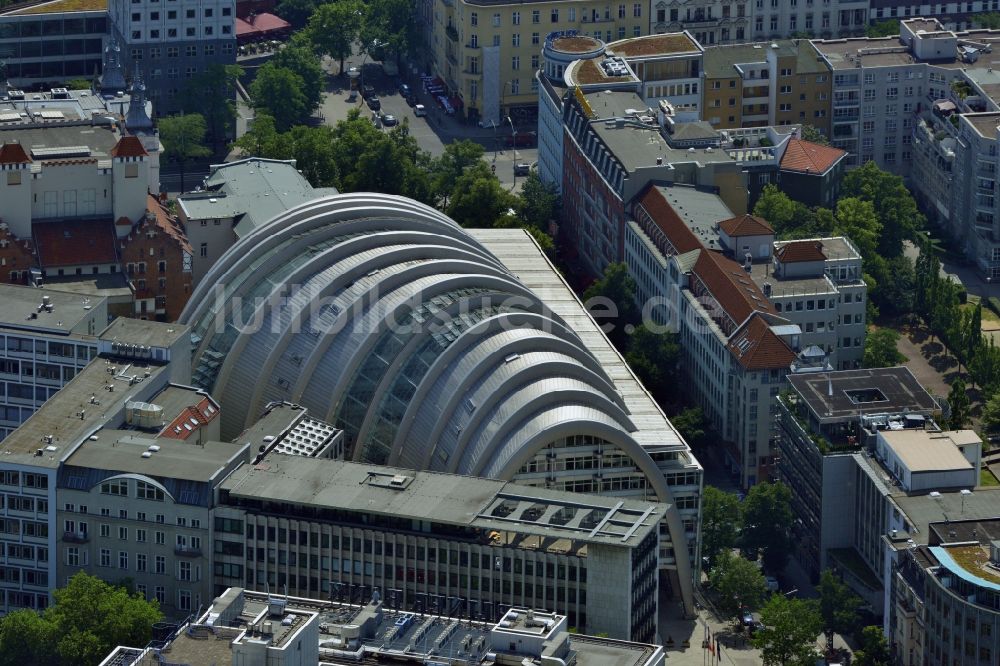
(514, 151)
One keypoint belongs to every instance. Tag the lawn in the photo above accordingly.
(988, 314)
(986, 478)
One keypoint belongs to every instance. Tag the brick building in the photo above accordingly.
(156, 255)
(17, 256)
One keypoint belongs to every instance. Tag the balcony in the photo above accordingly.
(452, 33)
(187, 551)
(75, 537)
(474, 47)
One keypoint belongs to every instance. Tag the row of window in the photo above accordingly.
(172, 14)
(190, 51)
(536, 15)
(173, 33)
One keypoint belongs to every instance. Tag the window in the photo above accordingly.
(73, 556)
(160, 539)
(515, 64)
(189, 14)
(474, 19)
(173, 51)
(535, 16)
(160, 594)
(123, 533)
(636, 10)
(122, 559)
(105, 530)
(516, 18)
(105, 557)
(140, 536)
(785, 90)
(534, 38)
(555, 16)
(160, 564)
(191, 51)
(140, 562)
(515, 39)
(515, 86)
(184, 600)
(184, 571)
(496, 20)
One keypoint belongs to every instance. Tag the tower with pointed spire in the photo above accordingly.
(112, 79)
(137, 120)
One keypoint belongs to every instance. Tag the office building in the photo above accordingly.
(490, 380)
(48, 337)
(236, 198)
(827, 421)
(168, 45)
(439, 543)
(51, 42)
(258, 629)
(487, 53)
(32, 455)
(769, 83)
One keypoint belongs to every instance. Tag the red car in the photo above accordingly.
(522, 140)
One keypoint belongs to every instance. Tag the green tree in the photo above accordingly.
(895, 286)
(690, 423)
(738, 583)
(777, 208)
(263, 140)
(895, 207)
(811, 133)
(183, 140)
(767, 517)
(612, 297)
(334, 27)
(479, 199)
(987, 20)
(313, 152)
(212, 93)
(720, 522)
(88, 619)
(389, 26)
(296, 12)
(838, 606)
(991, 414)
(888, 28)
(789, 634)
(857, 220)
(449, 167)
(881, 349)
(874, 650)
(539, 202)
(654, 357)
(304, 62)
(974, 333)
(279, 92)
(958, 400)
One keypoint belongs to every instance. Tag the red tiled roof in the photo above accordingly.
(808, 157)
(75, 243)
(167, 224)
(746, 225)
(189, 420)
(757, 347)
(13, 153)
(123, 222)
(673, 227)
(798, 251)
(129, 146)
(731, 286)
(261, 23)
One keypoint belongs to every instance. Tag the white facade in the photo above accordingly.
(709, 21)
(774, 19)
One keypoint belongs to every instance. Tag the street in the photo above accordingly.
(433, 131)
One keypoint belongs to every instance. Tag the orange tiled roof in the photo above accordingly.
(757, 347)
(798, 251)
(75, 243)
(746, 225)
(731, 286)
(13, 153)
(663, 214)
(129, 146)
(167, 224)
(189, 420)
(808, 157)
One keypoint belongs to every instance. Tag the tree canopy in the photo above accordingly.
(720, 522)
(212, 93)
(299, 58)
(88, 619)
(738, 584)
(335, 26)
(838, 606)
(888, 28)
(183, 140)
(281, 93)
(612, 299)
(789, 634)
(958, 400)
(654, 357)
(389, 27)
(767, 518)
(874, 650)
(881, 349)
(296, 12)
(811, 133)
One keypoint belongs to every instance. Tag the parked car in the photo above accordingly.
(374, 103)
(772, 583)
(748, 620)
(389, 120)
(522, 169)
(411, 100)
(404, 90)
(419, 110)
(368, 91)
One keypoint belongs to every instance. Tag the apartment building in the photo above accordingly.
(51, 41)
(488, 52)
(432, 541)
(169, 44)
(48, 336)
(770, 83)
(33, 454)
(774, 19)
(707, 22)
(135, 500)
(259, 629)
(952, 15)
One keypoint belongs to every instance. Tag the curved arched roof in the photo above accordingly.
(384, 317)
